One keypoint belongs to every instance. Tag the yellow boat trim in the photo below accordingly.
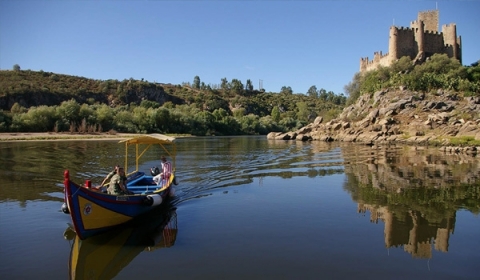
(95, 216)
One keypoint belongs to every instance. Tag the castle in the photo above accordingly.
(418, 42)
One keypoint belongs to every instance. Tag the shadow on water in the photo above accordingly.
(105, 255)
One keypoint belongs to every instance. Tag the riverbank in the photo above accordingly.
(52, 136)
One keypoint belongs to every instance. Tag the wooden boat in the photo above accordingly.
(105, 255)
(94, 212)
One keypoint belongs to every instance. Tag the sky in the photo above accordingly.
(296, 44)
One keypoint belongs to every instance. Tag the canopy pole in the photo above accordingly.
(136, 157)
(126, 158)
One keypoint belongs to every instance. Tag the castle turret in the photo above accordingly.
(393, 43)
(450, 39)
(418, 28)
(430, 18)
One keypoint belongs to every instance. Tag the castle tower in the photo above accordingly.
(393, 43)
(418, 28)
(451, 41)
(430, 18)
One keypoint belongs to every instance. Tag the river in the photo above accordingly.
(251, 208)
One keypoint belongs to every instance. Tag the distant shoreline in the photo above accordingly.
(51, 136)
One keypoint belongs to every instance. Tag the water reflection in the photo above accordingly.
(31, 171)
(221, 162)
(414, 192)
(412, 230)
(104, 256)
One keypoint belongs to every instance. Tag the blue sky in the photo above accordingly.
(282, 43)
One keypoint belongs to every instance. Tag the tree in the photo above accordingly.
(302, 108)
(249, 85)
(196, 82)
(17, 109)
(286, 90)
(104, 116)
(225, 85)
(237, 86)
(322, 94)
(69, 111)
(275, 114)
(16, 67)
(312, 92)
(353, 88)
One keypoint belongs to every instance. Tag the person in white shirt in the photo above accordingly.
(166, 171)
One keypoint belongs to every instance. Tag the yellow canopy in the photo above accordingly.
(149, 139)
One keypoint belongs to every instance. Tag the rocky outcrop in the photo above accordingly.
(400, 116)
(156, 94)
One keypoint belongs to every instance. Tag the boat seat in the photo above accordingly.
(135, 176)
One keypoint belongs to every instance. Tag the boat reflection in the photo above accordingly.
(104, 256)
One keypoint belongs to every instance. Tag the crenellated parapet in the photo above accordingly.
(378, 59)
(422, 37)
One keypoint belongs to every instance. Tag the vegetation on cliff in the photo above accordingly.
(438, 72)
(38, 101)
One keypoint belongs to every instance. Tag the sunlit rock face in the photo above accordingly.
(400, 116)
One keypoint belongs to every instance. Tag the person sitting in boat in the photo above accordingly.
(118, 183)
(166, 171)
(108, 177)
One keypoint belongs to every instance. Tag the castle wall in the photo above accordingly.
(405, 43)
(378, 60)
(434, 43)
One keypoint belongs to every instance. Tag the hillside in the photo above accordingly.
(36, 88)
(38, 101)
(435, 102)
(400, 116)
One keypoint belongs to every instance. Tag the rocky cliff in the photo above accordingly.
(400, 116)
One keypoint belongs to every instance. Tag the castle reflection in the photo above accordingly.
(411, 230)
(415, 192)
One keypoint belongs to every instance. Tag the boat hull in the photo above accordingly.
(94, 212)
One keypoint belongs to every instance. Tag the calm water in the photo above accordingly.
(250, 208)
